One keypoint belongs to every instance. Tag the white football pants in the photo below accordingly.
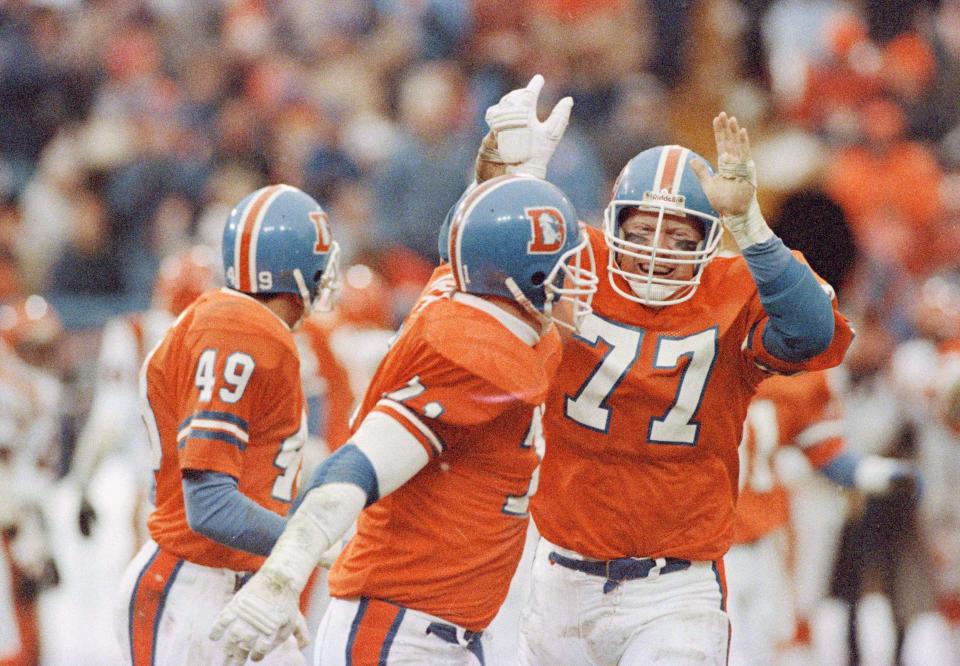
(167, 607)
(370, 632)
(676, 618)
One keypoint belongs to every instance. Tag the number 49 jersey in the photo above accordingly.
(221, 392)
(471, 392)
(645, 415)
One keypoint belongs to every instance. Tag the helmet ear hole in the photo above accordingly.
(538, 278)
(317, 276)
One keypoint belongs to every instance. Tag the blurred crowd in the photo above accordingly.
(128, 129)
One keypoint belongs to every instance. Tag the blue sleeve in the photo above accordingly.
(842, 469)
(218, 510)
(801, 314)
(348, 464)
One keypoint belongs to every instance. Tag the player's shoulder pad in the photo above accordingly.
(726, 278)
(480, 346)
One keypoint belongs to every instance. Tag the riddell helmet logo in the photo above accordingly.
(665, 197)
(323, 232)
(549, 230)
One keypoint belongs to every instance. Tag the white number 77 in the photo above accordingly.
(677, 426)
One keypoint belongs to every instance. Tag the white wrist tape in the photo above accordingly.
(529, 168)
(749, 228)
(874, 473)
(324, 516)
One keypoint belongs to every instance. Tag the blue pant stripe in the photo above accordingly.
(357, 619)
(723, 593)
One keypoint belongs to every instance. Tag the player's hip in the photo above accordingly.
(618, 532)
(649, 581)
(584, 611)
(167, 605)
(171, 531)
(370, 632)
(466, 590)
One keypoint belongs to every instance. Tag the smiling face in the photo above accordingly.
(676, 233)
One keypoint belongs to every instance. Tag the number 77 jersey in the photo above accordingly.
(221, 392)
(645, 414)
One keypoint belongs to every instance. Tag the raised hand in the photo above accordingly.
(524, 143)
(732, 191)
(733, 188)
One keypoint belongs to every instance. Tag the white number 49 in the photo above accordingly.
(236, 374)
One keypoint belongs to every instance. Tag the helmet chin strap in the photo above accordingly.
(654, 291)
(304, 294)
(520, 297)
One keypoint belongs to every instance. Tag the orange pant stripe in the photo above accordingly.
(372, 633)
(146, 605)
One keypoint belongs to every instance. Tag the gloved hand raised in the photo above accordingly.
(525, 145)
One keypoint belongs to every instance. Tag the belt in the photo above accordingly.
(448, 632)
(621, 569)
(419, 621)
(240, 579)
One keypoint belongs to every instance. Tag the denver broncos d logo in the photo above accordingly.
(549, 230)
(323, 232)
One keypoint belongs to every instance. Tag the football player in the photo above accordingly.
(644, 416)
(804, 412)
(442, 462)
(30, 335)
(224, 410)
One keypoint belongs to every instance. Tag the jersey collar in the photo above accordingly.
(234, 292)
(514, 324)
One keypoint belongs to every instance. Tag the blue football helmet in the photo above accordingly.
(277, 240)
(660, 180)
(517, 237)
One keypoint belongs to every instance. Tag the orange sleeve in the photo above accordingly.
(811, 416)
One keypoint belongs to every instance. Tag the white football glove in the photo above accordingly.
(261, 616)
(523, 142)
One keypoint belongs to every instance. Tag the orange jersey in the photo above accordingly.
(448, 541)
(221, 392)
(645, 415)
(802, 411)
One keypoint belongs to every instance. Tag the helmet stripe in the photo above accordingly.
(276, 191)
(244, 259)
(668, 173)
(456, 226)
(237, 243)
(681, 168)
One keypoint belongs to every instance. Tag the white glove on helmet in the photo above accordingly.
(525, 144)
